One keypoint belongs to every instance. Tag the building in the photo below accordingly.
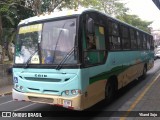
(156, 33)
(156, 37)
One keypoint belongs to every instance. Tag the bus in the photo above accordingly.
(75, 59)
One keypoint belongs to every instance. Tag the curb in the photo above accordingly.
(7, 93)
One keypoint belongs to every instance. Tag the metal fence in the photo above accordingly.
(5, 76)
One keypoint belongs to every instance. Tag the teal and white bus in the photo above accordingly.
(76, 59)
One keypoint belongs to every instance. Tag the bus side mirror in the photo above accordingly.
(90, 26)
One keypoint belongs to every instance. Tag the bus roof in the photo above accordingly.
(70, 13)
(52, 15)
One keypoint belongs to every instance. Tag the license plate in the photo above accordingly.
(67, 103)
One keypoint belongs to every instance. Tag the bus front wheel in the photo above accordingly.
(109, 92)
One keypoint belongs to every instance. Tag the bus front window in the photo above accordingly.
(27, 44)
(58, 38)
(47, 43)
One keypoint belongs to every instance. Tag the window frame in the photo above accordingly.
(112, 36)
(85, 50)
(125, 38)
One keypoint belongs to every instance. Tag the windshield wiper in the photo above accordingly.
(71, 25)
(65, 58)
(26, 65)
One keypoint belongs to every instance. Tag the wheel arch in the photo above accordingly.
(114, 80)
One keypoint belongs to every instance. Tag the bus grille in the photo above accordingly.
(35, 90)
(40, 99)
(43, 79)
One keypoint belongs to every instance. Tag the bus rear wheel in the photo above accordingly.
(109, 92)
(144, 72)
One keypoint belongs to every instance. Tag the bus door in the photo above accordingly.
(94, 46)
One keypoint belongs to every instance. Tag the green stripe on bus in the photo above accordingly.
(105, 75)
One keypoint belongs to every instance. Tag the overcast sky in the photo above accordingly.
(146, 10)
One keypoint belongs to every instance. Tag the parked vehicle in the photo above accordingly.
(157, 52)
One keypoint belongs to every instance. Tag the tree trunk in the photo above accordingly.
(9, 52)
(3, 55)
(1, 41)
(10, 40)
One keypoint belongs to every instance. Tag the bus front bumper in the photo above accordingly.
(67, 102)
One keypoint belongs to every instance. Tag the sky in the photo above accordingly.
(146, 10)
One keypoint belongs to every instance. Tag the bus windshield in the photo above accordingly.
(46, 43)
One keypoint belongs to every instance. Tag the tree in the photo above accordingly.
(40, 6)
(135, 21)
(4, 14)
(112, 7)
(12, 11)
(8, 36)
(10, 14)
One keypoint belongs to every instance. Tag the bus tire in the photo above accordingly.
(109, 92)
(144, 72)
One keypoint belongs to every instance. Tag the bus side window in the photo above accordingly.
(99, 37)
(125, 37)
(148, 43)
(91, 42)
(138, 40)
(94, 53)
(96, 46)
(114, 39)
(141, 41)
(152, 43)
(133, 39)
(144, 42)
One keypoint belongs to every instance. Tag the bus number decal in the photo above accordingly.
(41, 76)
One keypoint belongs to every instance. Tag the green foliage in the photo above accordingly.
(45, 5)
(12, 11)
(135, 21)
(21, 14)
(73, 4)
(112, 7)
(40, 6)
(10, 15)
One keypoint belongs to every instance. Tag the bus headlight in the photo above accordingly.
(71, 92)
(75, 92)
(67, 92)
(21, 87)
(16, 86)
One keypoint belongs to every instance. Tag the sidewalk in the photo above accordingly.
(6, 90)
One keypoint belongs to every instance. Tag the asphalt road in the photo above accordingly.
(128, 99)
